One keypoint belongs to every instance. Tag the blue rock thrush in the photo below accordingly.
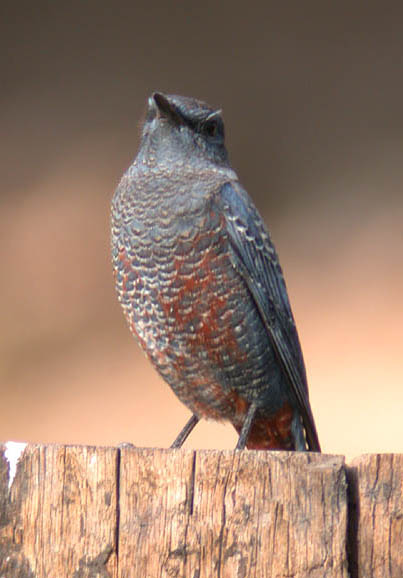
(201, 286)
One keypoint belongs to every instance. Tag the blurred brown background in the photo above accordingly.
(312, 97)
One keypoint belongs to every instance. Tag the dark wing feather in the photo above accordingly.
(254, 257)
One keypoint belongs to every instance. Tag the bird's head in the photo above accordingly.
(178, 128)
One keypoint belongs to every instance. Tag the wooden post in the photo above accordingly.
(86, 512)
(60, 518)
(378, 484)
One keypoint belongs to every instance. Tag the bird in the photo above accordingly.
(200, 283)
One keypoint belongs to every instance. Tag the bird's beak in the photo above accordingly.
(164, 107)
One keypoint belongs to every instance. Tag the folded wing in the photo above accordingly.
(254, 257)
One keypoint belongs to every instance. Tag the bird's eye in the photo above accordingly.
(210, 128)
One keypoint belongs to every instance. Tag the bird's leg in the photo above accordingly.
(184, 433)
(246, 427)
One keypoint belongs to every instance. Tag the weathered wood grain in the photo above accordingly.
(60, 517)
(379, 524)
(155, 496)
(232, 514)
(85, 512)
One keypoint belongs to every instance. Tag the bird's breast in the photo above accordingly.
(191, 310)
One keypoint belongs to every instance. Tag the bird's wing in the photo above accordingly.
(254, 257)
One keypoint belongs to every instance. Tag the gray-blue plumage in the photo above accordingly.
(200, 283)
